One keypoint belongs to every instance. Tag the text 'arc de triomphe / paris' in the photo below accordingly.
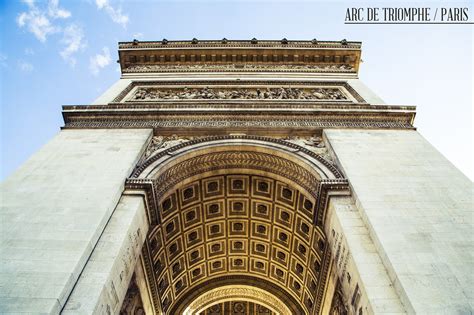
(237, 177)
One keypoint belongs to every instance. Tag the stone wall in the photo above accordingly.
(418, 209)
(54, 209)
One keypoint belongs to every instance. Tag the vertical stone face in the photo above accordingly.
(103, 283)
(419, 212)
(363, 279)
(54, 209)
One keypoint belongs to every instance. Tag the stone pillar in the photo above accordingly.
(54, 209)
(418, 210)
(359, 273)
(102, 285)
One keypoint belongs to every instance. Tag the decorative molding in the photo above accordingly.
(326, 189)
(227, 293)
(331, 68)
(232, 84)
(276, 54)
(226, 280)
(237, 307)
(241, 104)
(226, 122)
(236, 159)
(159, 147)
(137, 45)
(148, 187)
(180, 115)
(323, 281)
(312, 143)
(282, 93)
(150, 274)
(287, 142)
(159, 143)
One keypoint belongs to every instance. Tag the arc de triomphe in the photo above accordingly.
(237, 177)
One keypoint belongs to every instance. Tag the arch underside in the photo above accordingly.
(235, 215)
(238, 306)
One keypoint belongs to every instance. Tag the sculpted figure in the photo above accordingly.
(242, 93)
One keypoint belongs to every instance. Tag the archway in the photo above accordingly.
(236, 292)
(236, 211)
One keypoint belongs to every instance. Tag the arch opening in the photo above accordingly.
(236, 209)
(231, 293)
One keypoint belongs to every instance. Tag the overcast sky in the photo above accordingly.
(54, 53)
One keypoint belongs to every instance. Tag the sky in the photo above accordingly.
(58, 52)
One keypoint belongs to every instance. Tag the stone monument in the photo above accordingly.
(237, 177)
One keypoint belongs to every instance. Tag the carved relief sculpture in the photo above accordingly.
(152, 93)
(338, 306)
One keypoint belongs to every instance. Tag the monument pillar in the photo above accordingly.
(54, 209)
(417, 208)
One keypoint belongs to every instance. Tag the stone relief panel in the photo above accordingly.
(323, 91)
(207, 93)
(160, 143)
(312, 143)
(338, 306)
(132, 304)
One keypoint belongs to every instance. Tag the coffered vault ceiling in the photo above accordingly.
(232, 225)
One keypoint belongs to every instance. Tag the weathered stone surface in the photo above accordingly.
(264, 202)
(110, 267)
(419, 211)
(358, 265)
(53, 210)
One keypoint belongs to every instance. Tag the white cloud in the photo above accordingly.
(73, 39)
(55, 11)
(42, 20)
(25, 66)
(37, 23)
(138, 35)
(100, 61)
(39, 20)
(115, 13)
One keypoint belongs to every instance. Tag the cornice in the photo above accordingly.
(254, 55)
(209, 118)
(213, 105)
(225, 43)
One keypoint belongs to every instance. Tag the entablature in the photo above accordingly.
(257, 120)
(239, 55)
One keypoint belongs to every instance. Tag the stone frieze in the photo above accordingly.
(154, 93)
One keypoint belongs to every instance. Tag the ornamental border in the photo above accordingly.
(349, 45)
(120, 97)
(272, 104)
(342, 71)
(320, 124)
(138, 170)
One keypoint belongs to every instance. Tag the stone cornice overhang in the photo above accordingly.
(223, 117)
(261, 52)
